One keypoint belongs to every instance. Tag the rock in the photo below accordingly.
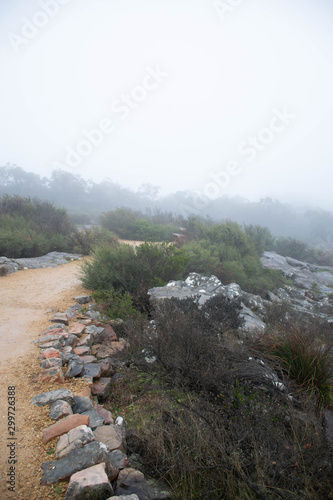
(73, 440)
(49, 338)
(83, 299)
(91, 454)
(77, 329)
(86, 340)
(82, 404)
(107, 416)
(91, 483)
(72, 341)
(55, 331)
(95, 420)
(60, 409)
(92, 370)
(52, 259)
(63, 426)
(54, 374)
(132, 481)
(203, 288)
(119, 459)
(51, 363)
(60, 318)
(124, 497)
(110, 436)
(47, 398)
(82, 351)
(101, 387)
(67, 350)
(74, 367)
(8, 266)
(50, 353)
(102, 351)
(88, 359)
(93, 329)
(106, 336)
(55, 344)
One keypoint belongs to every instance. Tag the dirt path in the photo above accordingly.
(27, 300)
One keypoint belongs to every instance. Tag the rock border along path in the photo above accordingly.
(48, 403)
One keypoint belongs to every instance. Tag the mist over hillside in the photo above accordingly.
(87, 200)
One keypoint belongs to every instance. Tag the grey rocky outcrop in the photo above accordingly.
(203, 288)
(52, 259)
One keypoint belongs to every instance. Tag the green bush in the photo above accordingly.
(114, 304)
(132, 225)
(134, 270)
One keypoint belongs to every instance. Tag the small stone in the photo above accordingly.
(67, 349)
(77, 329)
(95, 420)
(60, 409)
(119, 459)
(61, 319)
(63, 426)
(51, 363)
(107, 336)
(50, 353)
(54, 374)
(82, 351)
(107, 416)
(47, 398)
(74, 439)
(132, 481)
(124, 497)
(86, 340)
(74, 367)
(88, 359)
(72, 341)
(85, 392)
(82, 404)
(55, 344)
(101, 387)
(93, 329)
(92, 370)
(83, 299)
(110, 436)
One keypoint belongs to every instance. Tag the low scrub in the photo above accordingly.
(305, 359)
(133, 270)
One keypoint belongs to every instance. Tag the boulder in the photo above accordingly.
(89, 484)
(119, 459)
(63, 426)
(47, 398)
(60, 409)
(91, 454)
(74, 367)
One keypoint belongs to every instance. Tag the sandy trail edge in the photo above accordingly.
(28, 299)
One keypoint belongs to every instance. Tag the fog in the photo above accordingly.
(219, 97)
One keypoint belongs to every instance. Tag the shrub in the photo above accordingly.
(304, 359)
(125, 269)
(114, 304)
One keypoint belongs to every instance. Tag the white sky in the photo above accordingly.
(226, 75)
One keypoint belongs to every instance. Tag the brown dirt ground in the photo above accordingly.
(28, 299)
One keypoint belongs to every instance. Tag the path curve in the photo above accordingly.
(28, 298)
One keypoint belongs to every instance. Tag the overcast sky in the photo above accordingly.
(226, 97)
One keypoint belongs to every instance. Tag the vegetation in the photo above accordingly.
(125, 269)
(205, 418)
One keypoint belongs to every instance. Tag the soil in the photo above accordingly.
(28, 298)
